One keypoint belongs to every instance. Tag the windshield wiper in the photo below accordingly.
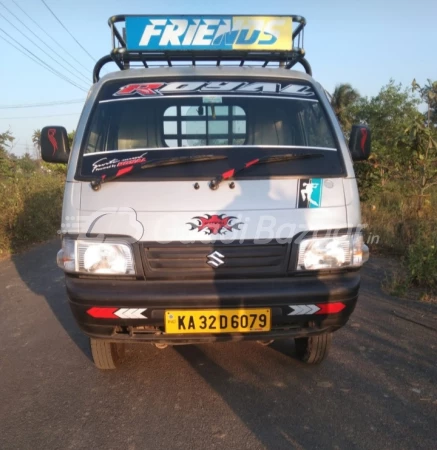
(215, 182)
(145, 164)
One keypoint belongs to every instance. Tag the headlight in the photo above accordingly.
(92, 257)
(332, 252)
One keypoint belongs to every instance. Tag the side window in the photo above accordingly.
(315, 126)
(119, 127)
(191, 126)
(95, 137)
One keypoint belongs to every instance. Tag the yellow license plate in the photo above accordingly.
(217, 321)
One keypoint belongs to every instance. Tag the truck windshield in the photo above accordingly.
(130, 121)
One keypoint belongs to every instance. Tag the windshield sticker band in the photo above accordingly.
(140, 88)
(202, 87)
(105, 164)
(310, 193)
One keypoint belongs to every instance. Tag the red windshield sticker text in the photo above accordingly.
(108, 164)
(201, 87)
(140, 88)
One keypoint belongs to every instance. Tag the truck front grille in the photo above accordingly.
(188, 261)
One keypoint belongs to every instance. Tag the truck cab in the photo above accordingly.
(210, 195)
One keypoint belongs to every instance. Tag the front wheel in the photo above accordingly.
(313, 349)
(106, 355)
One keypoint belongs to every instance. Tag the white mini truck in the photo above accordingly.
(210, 194)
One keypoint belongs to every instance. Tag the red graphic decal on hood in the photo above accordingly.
(51, 135)
(216, 224)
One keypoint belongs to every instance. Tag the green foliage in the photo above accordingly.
(6, 165)
(368, 177)
(398, 183)
(392, 215)
(395, 283)
(420, 158)
(60, 169)
(428, 94)
(421, 259)
(388, 115)
(70, 136)
(30, 210)
(5, 139)
(36, 140)
(30, 199)
(343, 102)
(26, 164)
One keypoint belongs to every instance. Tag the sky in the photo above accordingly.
(365, 43)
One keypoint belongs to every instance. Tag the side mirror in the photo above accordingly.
(54, 145)
(359, 142)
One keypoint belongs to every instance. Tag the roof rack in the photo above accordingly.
(207, 40)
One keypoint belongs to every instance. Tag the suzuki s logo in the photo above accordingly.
(215, 259)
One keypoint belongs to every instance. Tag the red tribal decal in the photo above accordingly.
(363, 138)
(51, 135)
(214, 224)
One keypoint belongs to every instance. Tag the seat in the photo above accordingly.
(132, 129)
(273, 128)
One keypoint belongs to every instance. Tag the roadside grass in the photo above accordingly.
(30, 209)
(407, 233)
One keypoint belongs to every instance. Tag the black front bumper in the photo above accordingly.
(278, 294)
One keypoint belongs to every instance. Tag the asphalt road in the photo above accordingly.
(377, 390)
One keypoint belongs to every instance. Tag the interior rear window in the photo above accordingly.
(193, 126)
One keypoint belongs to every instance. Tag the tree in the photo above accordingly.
(423, 145)
(26, 164)
(36, 140)
(343, 99)
(388, 114)
(5, 139)
(6, 165)
(429, 95)
(70, 136)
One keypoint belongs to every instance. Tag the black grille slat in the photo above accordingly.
(191, 253)
(184, 261)
(197, 263)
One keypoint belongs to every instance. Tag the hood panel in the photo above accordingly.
(175, 211)
(181, 196)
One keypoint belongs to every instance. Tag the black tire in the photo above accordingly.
(314, 349)
(106, 355)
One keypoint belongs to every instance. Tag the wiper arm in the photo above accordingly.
(181, 160)
(137, 166)
(215, 182)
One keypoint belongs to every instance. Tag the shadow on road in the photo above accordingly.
(38, 270)
(253, 403)
(362, 389)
